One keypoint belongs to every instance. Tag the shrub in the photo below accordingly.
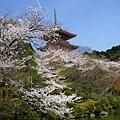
(6, 117)
(93, 96)
(107, 103)
(104, 100)
(30, 70)
(55, 92)
(68, 91)
(98, 109)
(86, 107)
(31, 62)
(114, 102)
(81, 94)
(50, 116)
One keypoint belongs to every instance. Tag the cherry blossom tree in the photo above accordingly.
(30, 27)
(16, 37)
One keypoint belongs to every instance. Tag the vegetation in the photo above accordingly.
(64, 86)
(106, 103)
(112, 54)
(96, 77)
(12, 103)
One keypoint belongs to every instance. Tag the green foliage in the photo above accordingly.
(6, 117)
(94, 56)
(67, 92)
(10, 21)
(81, 94)
(31, 62)
(70, 105)
(33, 76)
(74, 76)
(21, 110)
(106, 103)
(29, 49)
(104, 100)
(86, 107)
(24, 49)
(30, 70)
(115, 56)
(49, 116)
(94, 81)
(12, 104)
(71, 73)
(55, 92)
(112, 54)
(109, 102)
(98, 109)
(28, 115)
(91, 81)
(13, 107)
(37, 78)
(92, 96)
(114, 102)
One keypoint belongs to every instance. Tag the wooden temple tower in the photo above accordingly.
(62, 42)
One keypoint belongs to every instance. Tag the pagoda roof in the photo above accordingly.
(65, 35)
(61, 42)
(58, 45)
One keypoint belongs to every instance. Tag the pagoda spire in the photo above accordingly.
(55, 17)
(62, 42)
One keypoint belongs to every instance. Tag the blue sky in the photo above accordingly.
(96, 22)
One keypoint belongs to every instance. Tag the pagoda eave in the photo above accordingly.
(59, 45)
(65, 35)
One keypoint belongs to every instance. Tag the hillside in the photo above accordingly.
(112, 54)
(67, 85)
(74, 78)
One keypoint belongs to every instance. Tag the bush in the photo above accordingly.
(68, 91)
(81, 94)
(50, 116)
(98, 109)
(104, 100)
(86, 107)
(93, 96)
(55, 92)
(114, 102)
(30, 70)
(6, 117)
(31, 62)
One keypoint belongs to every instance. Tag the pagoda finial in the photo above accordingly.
(55, 17)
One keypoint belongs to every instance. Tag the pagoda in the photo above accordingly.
(61, 42)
